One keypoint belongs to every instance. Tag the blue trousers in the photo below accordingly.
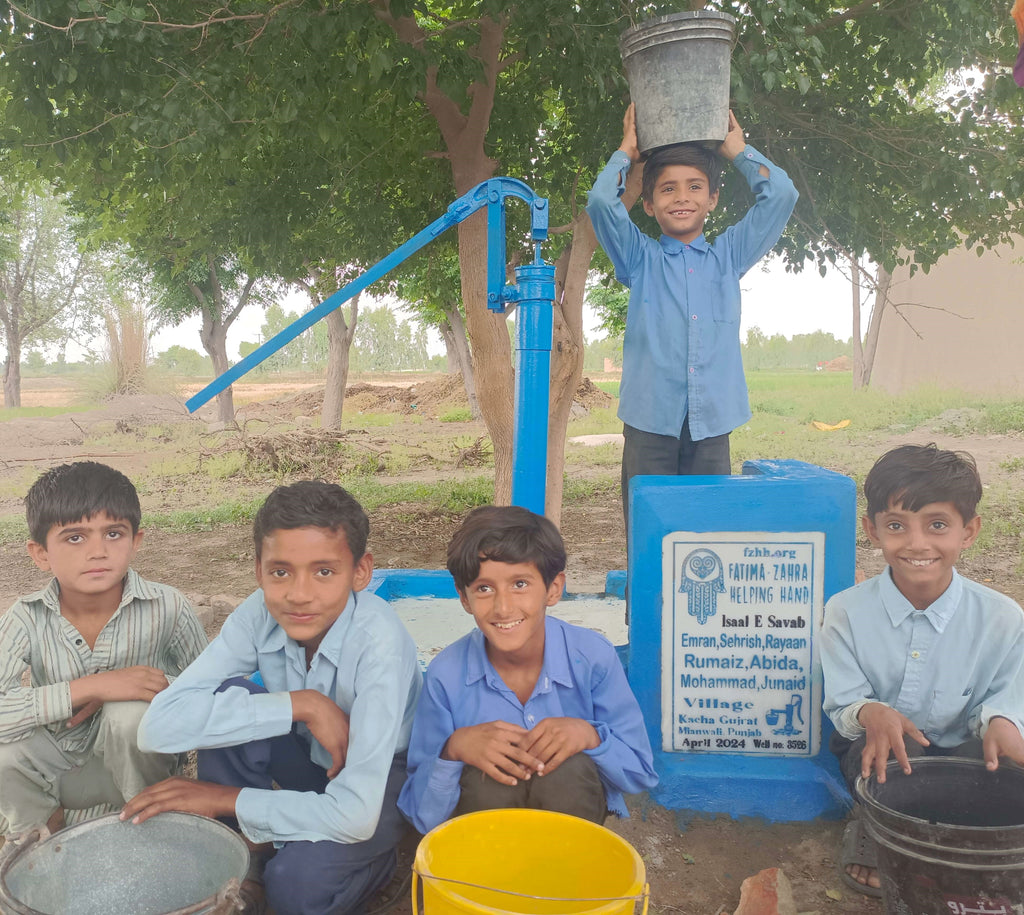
(310, 878)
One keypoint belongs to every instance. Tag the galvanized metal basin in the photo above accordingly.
(172, 864)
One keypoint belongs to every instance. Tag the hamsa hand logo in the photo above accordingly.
(702, 579)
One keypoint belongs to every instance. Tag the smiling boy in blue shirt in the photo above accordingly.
(683, 390)
(331, 726)
(526, 710)
(919, 660)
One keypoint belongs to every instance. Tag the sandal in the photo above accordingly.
(858, 848)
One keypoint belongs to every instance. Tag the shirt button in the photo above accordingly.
(692, 370)
(694, 317)
(691, 270)
(915, 654)
(78, 641)
(529, 718)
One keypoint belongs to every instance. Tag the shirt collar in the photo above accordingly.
(554, 669)
(938, 613)
(274, 638)
(675, 246)
(133, 588)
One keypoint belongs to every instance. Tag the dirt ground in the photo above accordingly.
(695, 864)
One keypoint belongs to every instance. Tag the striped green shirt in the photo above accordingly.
(153, 625)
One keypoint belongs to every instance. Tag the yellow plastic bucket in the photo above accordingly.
(533, 862)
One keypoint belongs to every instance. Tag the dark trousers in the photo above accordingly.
(310, 878)
(574, 788)
(647, 453)
(849, 753)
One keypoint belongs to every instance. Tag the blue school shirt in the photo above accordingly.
(366, 663)
(681, 350)
(581, 678)
(949, 668)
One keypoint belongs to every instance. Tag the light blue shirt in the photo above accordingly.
(949, 668)
(681, 351)
(366, 663)
(581, 678)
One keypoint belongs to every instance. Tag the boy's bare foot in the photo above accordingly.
(56, 821)
(858, 860)
(868, 876)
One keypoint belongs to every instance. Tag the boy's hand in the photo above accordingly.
(1002, 739)
(493, 748)
(184, 795)
(629, 142)
(326, 722)
(735, 142)
(554, 740)
(885, 729)
(90, 708)
(125, 685)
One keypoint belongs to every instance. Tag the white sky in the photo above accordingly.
(774, 300)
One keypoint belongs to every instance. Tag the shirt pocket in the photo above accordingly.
(948, 714)
(726, 303)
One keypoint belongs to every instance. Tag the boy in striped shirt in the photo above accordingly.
(99, 642)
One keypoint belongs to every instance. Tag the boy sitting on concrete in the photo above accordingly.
(99, 641)
(526, 710)
(683, 390)
(918, 660)
(331, 726)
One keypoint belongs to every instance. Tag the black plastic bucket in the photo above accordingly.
(678, 71)
(950, 837)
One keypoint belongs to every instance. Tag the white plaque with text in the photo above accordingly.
(739, 662)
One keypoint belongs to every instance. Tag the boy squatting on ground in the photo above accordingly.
(683, 389)
(918, 660)
(99, 641)
(330, 728)
(526, 710)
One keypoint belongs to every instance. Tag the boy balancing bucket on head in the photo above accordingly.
(534, 862)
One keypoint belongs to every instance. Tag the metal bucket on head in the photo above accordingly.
(172, 864)
(677, 67)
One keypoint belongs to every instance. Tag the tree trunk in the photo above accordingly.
(459, 348)
(492, 354)
(214, 335)
(339, 343)
(12, 374)
(858, 342)
(566, 353)
(883, 280)
(451, 357)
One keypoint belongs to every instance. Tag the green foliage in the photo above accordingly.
(594, 354)
(456, 415)
(383, 343)
(609, 387)
(803, 351)
(183, 361)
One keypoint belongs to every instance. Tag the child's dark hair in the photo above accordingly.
(504, 533)
(700, 157)
(313, 503)
(71, 492)
(912, 476)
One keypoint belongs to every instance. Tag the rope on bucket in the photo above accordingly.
(494, 889)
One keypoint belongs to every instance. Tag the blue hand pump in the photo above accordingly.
(532, 294)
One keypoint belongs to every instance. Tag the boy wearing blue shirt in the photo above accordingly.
(683, 389)
(918, 660)
(331, 726)
(526, 710)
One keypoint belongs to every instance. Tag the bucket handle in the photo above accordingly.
(13, 847)
(644, 897)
